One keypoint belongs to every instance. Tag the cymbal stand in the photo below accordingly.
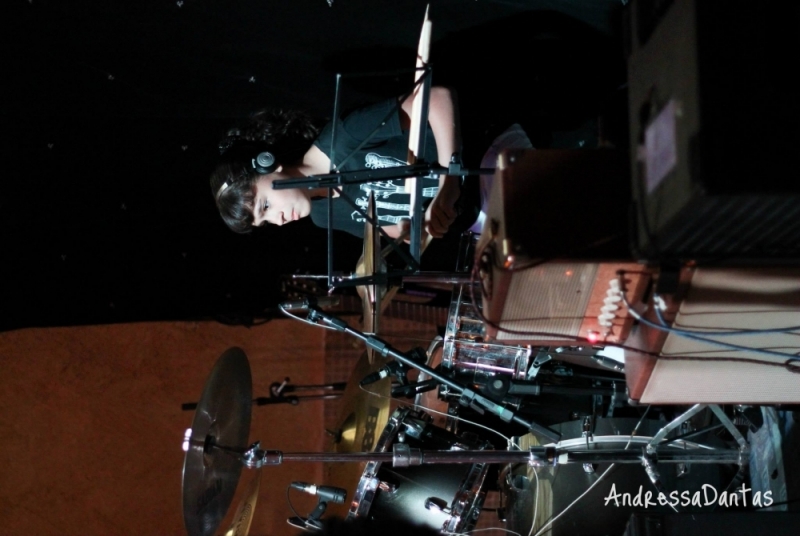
(650, 456)
(278, 394)
(468, 396)
(403, 456)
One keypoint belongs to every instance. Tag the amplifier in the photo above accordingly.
(700, 76)
(553, 255)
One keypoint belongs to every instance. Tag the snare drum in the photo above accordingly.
(445, 497)
(466, 351)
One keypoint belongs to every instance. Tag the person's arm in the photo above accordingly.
(443, 119)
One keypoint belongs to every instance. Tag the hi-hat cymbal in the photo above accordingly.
(370, 264)
(219, 433)
(363, 415)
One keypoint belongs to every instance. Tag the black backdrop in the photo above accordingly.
(111, 112)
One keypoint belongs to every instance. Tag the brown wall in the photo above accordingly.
(91, 422)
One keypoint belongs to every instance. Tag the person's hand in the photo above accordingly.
(441, 213)
(398, 231)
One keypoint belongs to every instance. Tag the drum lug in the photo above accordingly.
(414, 428)
(588, 426)
(682, 469)
(387, 487)
(435, 503)
(588, 468)
(542, 357)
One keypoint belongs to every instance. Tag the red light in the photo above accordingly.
(568, 273)
(593, 336)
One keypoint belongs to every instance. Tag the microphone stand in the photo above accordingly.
(337, 179)
(312, 522)
(468, 396)
(278, 391)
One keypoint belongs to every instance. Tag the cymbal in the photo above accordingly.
(371, 263)
(222, 419)
(243, 517)
(362, 418)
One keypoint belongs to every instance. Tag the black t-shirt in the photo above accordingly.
(385, 144)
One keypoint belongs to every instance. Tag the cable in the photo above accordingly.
(473, 531)
(535, 500)
(740, 332)
(430, 410)
(790, 357)
(546, 526)
(474, 277)
(291, 506)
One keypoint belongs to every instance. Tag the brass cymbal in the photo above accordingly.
(363, 416)
(243, 517)
(370, 264)
(220, 430)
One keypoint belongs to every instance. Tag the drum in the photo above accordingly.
(446, 497)
(465, 350)
(553, 489)
(442, 409)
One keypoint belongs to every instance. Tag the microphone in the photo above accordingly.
(325, 493)
(383, 372)
(608, 362)
(310, 301)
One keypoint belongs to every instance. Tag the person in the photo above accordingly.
(374, 136)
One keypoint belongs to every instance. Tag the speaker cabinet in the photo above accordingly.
(553, 255)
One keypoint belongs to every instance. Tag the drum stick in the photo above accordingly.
(417, 121)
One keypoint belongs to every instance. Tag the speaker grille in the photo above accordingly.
(550, 298)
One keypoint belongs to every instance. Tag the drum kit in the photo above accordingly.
(431, 457)
(423, 436)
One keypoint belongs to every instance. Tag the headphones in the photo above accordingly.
(234, 148)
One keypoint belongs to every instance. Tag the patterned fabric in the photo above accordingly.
(385, 145)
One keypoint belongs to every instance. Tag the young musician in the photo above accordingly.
(377, 137)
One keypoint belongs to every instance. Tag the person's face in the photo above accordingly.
(278, 206)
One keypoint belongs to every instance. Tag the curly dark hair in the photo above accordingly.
(285, 133)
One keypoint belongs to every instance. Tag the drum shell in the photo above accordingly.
(466, 351)
(385, 492)
(560, 486)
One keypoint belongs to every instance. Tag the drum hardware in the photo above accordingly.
(326, 494)
(558, 490)
(524, 388)
(305, 523)
(541, 358)
(435, 503)
(468, 396)
(396, 369)
(691, 412)
(210, 474)
(413, 389)
(613, 402)
(362, 416)
(215, 453)
(243, 517)
(588, 436)
(278, 391)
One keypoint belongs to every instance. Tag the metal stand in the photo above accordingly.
(278, 394)
(403, 456)
(336, 179)
(469, 397)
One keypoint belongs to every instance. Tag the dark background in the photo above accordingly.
(111, 113)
